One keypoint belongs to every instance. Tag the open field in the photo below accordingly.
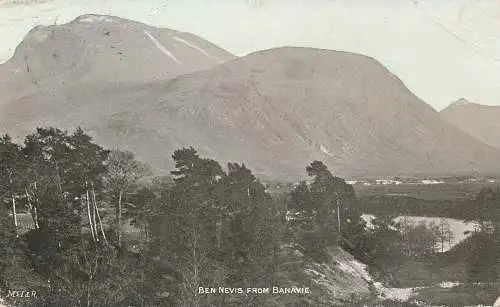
(444, 191)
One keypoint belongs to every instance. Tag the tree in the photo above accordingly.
(185, 228)
(248, 245)
(301, 199)
(11, 165)
(446, 235)
(122, 171)
(383, 248)
(90, 274)
(214, 228)
(484, 255)
(482, 258)
(485, 209)
(64, 172)
(421, 238)
(326, 205)
(53, 173)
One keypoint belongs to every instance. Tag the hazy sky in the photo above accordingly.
(441, 49)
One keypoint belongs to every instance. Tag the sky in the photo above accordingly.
(442, 50)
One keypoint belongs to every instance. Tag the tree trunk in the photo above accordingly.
(219, 232)
(59, 184)
(32, 209)
(442, 238)
(119, 219)
(98, 216)
(37, 203)
(35, 212)
(89, 215)
(14, 214)
(195, 263)
(94, 209)
(338, 215)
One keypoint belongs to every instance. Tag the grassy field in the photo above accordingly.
(445, 191)
(463, 295)
(423, 274)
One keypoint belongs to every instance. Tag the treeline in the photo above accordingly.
(63, 181)
(327, 212)
(479, 254)
(461, 209)
(204, 225)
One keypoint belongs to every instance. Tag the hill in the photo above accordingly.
(478, 120)
(275, 110)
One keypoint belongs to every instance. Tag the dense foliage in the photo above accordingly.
(201, 226)
(87, 226)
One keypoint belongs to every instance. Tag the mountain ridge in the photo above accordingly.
(276, 110)
(100, 48)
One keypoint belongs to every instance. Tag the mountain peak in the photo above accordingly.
(87, 47)
(478, 120)
(465, 102)
(461, 102)
(92, 18)
(275, 110)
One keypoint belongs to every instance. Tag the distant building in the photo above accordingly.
(431, 181)
(387, 181)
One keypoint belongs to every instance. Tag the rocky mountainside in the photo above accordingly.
(103, 49)
(480, 121)
(275, 110)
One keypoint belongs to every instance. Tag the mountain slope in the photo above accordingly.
(480, 121)
(102, 49)
(275, 110)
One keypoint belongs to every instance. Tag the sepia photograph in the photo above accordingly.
(254, 153)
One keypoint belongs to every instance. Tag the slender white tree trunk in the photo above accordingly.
(94, 222)
(442, 238)
(119, 219)
(30, 206)
(35, 212)
(14, 214)
(98, 215)
(338, 215)
(89, 214)
(32, 209)
(59, 183)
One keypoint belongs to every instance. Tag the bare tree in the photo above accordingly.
(445, 234)
(96, 213)
(123, 170)
(13, 197)
(89, 213)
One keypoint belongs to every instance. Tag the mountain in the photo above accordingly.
(480, 121)
(275, 110)
(103, 49)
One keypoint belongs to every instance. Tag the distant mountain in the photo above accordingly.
(275, 110)
(104, 49)
(480, 121)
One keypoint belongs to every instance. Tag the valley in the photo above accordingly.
(141, 164)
